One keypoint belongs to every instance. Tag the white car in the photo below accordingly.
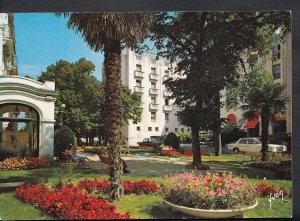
(253, 144)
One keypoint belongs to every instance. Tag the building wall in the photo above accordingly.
(285, 62)
(158, 126)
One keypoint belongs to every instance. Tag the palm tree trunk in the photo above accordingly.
(264, 136)
(113, 113)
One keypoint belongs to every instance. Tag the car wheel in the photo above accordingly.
(236, 150)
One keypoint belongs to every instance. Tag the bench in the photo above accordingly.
(104, 161)
(69, 158)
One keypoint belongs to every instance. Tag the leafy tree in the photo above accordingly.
(63, 137)
(208, 48)
(111, 31)
(83, 96)
(262, 97)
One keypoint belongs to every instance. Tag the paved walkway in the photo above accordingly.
(158, 167)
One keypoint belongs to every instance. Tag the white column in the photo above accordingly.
(1, 51)
(47, 138)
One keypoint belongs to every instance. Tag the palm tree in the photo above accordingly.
(110, 32)
(263, 98)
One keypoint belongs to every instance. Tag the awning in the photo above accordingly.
(251, 123)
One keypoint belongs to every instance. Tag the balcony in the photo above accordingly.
(138, 89)
(153, 77)
(167, 108)
(165, 77)
(153, 106)
(153, 91)
(138, 74)
(167, 93)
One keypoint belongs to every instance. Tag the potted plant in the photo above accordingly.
(209, 195)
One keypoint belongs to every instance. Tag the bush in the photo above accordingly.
(210, 191)
(172, 140)
(68, 203)
(63, 137)
(264, 189)
(17, 163)
(102, 186)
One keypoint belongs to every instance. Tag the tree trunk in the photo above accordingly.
(218, 143)
(264, 136)
(113, 114)
(196, 146)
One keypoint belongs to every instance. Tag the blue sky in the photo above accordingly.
(42, 39)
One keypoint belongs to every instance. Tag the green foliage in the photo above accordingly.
(63, 137)
(65, 171)
(83, 96)
(172, 140)
(184, 137)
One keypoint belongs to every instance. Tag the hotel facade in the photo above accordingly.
(144, 74)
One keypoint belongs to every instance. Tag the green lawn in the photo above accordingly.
(140, 206)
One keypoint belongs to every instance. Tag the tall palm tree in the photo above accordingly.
(110, 32)
(263, 98)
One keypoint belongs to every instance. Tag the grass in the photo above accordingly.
(144, 206)
(13, 209)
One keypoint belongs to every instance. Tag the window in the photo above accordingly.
(153, 100)
(138, 83)
(156, 128)
(138, 67)
(153, 85)
(189, 130)
(276, 52)
(153, 116)
(138, 128)
(167, 73)
(182, 129)
(149, 128)
(153, 70)
(166, 129)
(166, 116)
(176, 129)
(276, 71)
(166, 101)
(139, 98)
(243, 141)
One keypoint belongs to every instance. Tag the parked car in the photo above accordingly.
(254, 144)
(155, 141)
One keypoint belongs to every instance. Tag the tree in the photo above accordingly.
(262, 97)
(83, 96)
(111, 31)
(208, 48)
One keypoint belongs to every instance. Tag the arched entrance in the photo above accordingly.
(19, 128)
(27, 115)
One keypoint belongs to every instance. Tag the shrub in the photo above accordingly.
(67, 203)
(102, 186)
(63, 137)
(17, 163)
(172, 153)
(264, 189)
(210, 191)
(172, 140)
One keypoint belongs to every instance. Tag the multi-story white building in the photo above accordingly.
(279, 63)
(144, 74)
(26, 105)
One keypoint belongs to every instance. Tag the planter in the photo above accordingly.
(210, 214)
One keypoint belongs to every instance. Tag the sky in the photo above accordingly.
(42, 39)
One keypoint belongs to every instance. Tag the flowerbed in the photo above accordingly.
(102, 186)
(68, 202)
(264, 189)
(173, 153)
(17, 163)
(211, 191)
